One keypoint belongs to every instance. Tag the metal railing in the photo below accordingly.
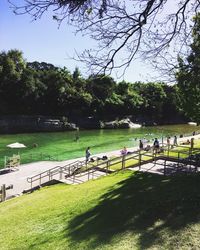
(79, 169)
(50, 173)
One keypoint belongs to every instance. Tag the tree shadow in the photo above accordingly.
(143, 204)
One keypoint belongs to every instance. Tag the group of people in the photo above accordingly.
(156, 146)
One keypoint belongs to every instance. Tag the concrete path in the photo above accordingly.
(19, 177)
(157, 167)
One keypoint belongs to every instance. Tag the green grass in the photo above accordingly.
(122, 211)
(62, 146)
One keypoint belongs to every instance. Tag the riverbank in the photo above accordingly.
(27, 124)
(64, 145)
(19, 178)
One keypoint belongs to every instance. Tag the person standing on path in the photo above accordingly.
(87, 154)
(141, 146)
(175, 141)
(156, 146)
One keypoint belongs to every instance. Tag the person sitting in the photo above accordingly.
(148, 147)
(124, 151)
(186, 142)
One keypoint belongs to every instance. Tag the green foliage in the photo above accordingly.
(41, 88)
(188, 77)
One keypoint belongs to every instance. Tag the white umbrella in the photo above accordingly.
(16, 145)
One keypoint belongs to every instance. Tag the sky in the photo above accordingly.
(43, 41)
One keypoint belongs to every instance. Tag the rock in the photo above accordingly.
(125, 123)
(192, 123)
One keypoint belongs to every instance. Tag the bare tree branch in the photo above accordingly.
(123, 30)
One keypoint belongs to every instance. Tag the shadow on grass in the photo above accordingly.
(143, 205)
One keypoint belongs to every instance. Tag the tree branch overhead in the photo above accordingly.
(123, 30)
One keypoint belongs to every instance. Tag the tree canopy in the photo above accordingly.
(40, 88)
(188, 76)
(124, 30)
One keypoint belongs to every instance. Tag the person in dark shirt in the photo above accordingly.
(87, 154)
(156, 145)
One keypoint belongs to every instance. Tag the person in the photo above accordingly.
(77, 135)
(156, 145)
(76, 138)
(124, 151)
(147, 148)
(175, 141)
(193, 133)
(186, 142)
(168, 140)
(144, 141)
(87, 154)
(141, 146)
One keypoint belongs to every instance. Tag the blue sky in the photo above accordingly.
(42, 40)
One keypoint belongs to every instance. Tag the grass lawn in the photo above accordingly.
(126, 210)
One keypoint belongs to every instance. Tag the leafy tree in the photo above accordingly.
(101, 88)
(153, 96)
(11, 70)
(122, 29)
(130, 97)
(188, 77)
(170, 105)
(41, 88)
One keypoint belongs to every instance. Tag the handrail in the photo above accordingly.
(55, 170)
(80, 167)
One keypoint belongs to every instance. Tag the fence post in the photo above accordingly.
(178, 158)
(165, 167)
(60, 173)
(140, 159)
(123, 161)
(40, 180)
(190, 151)
(3, 192)
(5, 161)
(73, 177)
(107, 165)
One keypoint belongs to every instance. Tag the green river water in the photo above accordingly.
(63, 144)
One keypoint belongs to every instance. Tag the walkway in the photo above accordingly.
(19, 178)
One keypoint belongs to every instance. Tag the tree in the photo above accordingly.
(131, 98)
(12, 66)
(188, 76)
(101, 88)
(153, 96)
(124, 30)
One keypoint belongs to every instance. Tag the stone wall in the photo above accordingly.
(18, 124)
